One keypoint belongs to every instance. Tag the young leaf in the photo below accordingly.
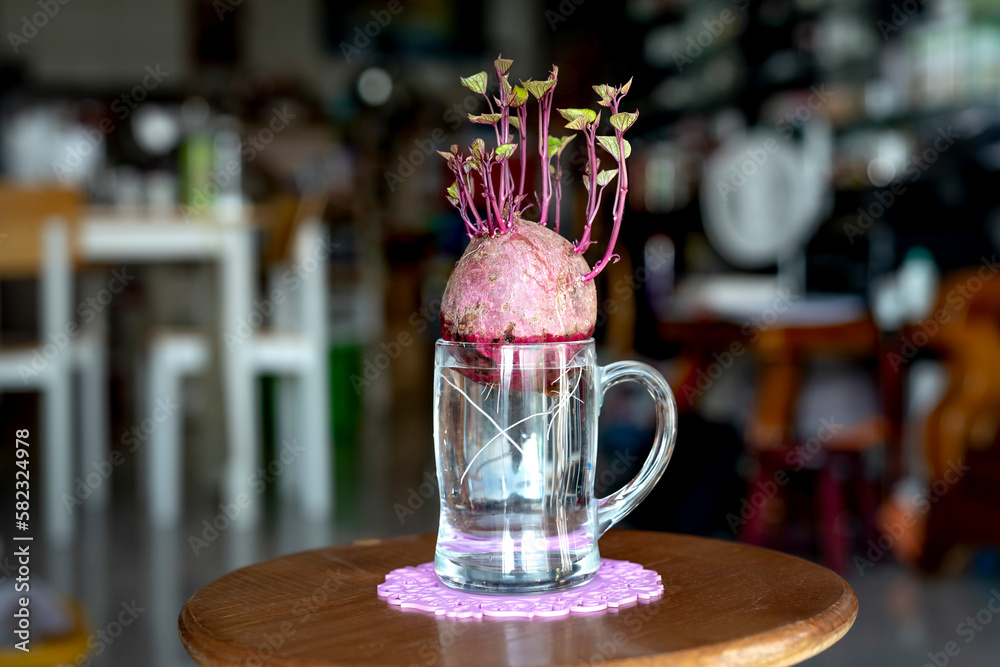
(505, 89)
(452, 200)
(572, 114)
(478, 147)
(504, 151)
(485, 118)
(519, 97)
(446, 156)
(624, 89)
(476, 83)
(516, 122)
(453, 190)
(502, 64)
(622, 121)
(605, 92)
(578, 123)
(610, 144)
(556, 145)
(538, 88)
(605, 177)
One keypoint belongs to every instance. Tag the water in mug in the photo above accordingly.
(515, 455)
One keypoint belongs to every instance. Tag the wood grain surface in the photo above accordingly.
(724, 604)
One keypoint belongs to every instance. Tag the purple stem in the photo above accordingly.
(491, 200)
(465, 195)
(591, 136)
(619, 208)
(558, 189)
(522, 116)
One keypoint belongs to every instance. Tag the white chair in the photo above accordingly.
(36, 226)
(295, 351)
(173, 356)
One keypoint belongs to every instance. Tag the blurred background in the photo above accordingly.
(224, 238)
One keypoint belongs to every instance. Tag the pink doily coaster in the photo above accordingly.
(618, 583)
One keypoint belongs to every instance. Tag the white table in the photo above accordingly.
(113, 235)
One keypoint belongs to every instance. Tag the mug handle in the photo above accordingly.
(613, 508)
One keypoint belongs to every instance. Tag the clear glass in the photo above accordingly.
(515, 431)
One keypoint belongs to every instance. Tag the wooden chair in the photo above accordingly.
(37, 233)
(783, 353)
(962, 432)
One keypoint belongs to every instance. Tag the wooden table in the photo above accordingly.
(724, 604)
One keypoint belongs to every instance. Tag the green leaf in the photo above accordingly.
(505, 89)
(478, 147)
(624, 89)
(519, 97)
(572, 114)
(504, 151)
(622, 121)
(610, 144)
(446, 156)
(452, 200)
(502, 64)
(453, 190)
(556, 145)
(476, 83)
(538, 88)
(605, 177)
(485, 118)
(516, 122)
(604, 91)
(578, 123)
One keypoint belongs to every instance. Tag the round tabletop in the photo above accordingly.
(723, 604)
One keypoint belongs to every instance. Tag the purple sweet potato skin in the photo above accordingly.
(523, 286)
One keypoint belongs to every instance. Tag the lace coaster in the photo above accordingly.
(618, 583)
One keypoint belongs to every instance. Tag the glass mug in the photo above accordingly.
(515, 433)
